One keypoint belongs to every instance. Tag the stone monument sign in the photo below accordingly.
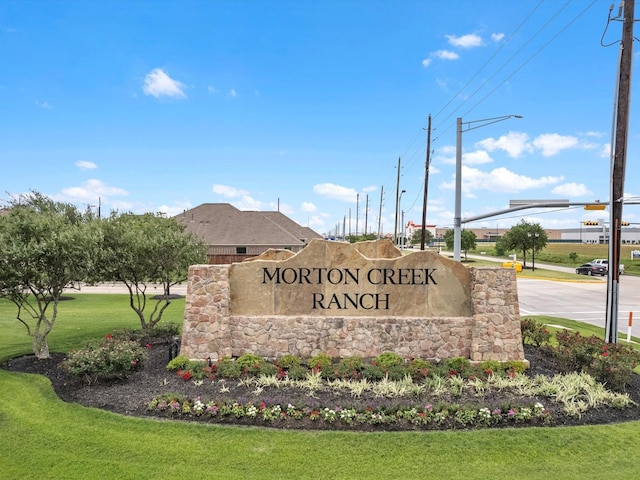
(352, 299)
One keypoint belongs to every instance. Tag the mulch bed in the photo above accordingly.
(131, 396)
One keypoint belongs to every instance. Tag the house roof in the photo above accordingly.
(223, 224)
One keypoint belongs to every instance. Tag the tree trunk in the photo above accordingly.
(40, 345)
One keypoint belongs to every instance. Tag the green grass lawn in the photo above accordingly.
(45, 438)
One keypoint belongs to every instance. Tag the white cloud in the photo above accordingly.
(370, 188)
(442, 55)
(243, 201)
(593, 134)
(447, 156)
(572, 189)
(175, 209)
(43, 105)
(496, 37)
(605, 151)
(514, 143)
(84, 165)
(498, 180)
(89, 192)
(233, 93)
(308, 207)
(227, 191)
(470, 40)
(158, 84)
(552, 143)
(478, 157)
(446, 55)
(337, 192)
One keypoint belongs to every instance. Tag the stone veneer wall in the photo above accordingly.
(492, 333)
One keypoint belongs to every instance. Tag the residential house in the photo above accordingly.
(234, 235)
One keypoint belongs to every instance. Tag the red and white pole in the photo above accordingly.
(629, 326)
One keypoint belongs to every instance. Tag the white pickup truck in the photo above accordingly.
(605, 262)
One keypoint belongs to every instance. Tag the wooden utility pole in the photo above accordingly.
(618, 171)
(426, 187)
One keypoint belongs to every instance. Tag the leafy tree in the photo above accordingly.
(362, 238)
(467, 240)
(416, 238)
(45, 247)
(522, 237)
(142, 250)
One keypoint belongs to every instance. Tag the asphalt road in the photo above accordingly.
(584, 301)
(581, 301)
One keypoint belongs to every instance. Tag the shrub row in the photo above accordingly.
(386, 365)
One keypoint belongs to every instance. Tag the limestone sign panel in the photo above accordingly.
(339, 280)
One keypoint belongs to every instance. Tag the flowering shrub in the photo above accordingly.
(427, 416)
(533, 332)
(614, 364)
(114, 357)
(609, 363)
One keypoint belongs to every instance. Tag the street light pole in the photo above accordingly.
(399, 209)
(457, 220)
(457, 225)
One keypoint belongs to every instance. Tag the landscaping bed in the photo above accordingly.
(238, 401)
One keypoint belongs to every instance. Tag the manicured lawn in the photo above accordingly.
(45, 438)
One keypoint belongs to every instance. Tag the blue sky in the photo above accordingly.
(307, 106)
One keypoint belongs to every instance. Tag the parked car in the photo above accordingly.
(605, 262)
(592, 269)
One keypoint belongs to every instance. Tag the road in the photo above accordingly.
(584, 301)
(581, 301)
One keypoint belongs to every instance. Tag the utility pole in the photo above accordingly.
(426, 187)
(344, 226)
(618, 171)
(366, 213)
(357, 211)
(395, 223)
(380, 212)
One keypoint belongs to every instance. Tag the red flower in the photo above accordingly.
(186, 375)
(148, 345)
(108, 337)
(263, 406)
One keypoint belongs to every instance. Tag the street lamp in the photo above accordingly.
(535, 240)
(457, 221)
(398, 209)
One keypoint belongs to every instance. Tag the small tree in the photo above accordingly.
(139, 250)
(416, 237)
(467, 240)
(523, 237)
(45, 247)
